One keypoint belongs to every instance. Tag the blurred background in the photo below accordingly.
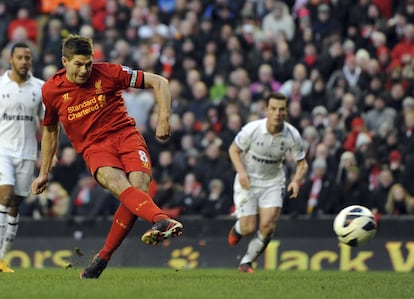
(345, 65)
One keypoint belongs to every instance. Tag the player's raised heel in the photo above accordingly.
(4, 268)
(162, 230)
(233, 237)
(246, 268)
(94, 269)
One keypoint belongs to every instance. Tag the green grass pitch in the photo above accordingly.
(159, 283)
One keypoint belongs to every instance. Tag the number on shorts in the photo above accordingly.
(143, 156)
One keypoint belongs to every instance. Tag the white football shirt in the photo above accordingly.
(20, 110)
(263, 154)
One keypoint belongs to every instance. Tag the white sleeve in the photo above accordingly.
(298, 149)
(244, 137)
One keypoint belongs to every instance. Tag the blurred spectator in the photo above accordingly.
(245, 102)
(23, 19)
(319, 116)
(48, 71)
(199, 101)
(222, 12)
(209, 137)
(71, 21)
(190, 199)
(5, 18)
(396, 165)
(370, 167)
(216, 202)
(310, 56)
(218, 89)
(48, 6)
(265, 83)
(346, 160)
(68, 169)
(279, 20)
(317, 97)
(357, 127)
(19, 35)
(379, 195)
(353, 191)
(152, 142)
(386, 143)
(166, 64)
(230, 130)
(407, 177)
(166, 168)
(331, 60)
(379, 115)
(187, 145)
(300, 75)
(407, 9)
(324, 25)
(404, 50)
(334, 150)
(152, 26)
(399, 201)
(52, 40)
(167, 190)
(358, 12)
(350, 71)
(178, 102)
(192, 76)
(214, 119)
(209, 69)
(89, 200)
(53, 202)
(396, 97)
(319, 194)
(311, 140)
(284, 62)
(213, 165)
(139, 104)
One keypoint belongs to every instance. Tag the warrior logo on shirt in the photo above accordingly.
(66, 97)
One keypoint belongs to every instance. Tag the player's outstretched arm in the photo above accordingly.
(162, 95)
(301, 170)
(48, 150)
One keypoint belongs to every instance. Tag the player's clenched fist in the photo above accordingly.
(39, 185)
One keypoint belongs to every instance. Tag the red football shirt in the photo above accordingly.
(94, 110)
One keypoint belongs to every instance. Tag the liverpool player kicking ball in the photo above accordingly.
(86, 98)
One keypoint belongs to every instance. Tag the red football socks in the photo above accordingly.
(141, 204)
(121, 225)
(134, 203)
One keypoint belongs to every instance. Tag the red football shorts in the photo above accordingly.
(126, 150)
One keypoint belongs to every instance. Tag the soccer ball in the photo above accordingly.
(355, 225)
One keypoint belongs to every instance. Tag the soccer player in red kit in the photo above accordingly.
(86, 98)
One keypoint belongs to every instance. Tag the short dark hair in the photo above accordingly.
(18, 45)
(276, 96)
(76, 45)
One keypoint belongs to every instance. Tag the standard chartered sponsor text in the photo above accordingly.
(84, 108)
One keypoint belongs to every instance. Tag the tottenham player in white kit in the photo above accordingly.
(257, 154)
(20, 114)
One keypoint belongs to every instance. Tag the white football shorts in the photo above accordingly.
(247, 202)
(18, 173)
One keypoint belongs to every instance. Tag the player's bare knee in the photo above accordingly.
(267, 228)
(6, 199)
(248, 228)
(140, 180)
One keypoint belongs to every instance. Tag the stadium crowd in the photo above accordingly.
(345, 65)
